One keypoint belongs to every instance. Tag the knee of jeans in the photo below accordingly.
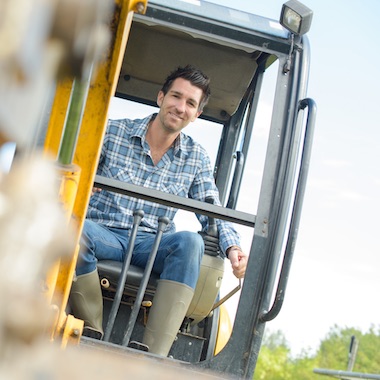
(191, 243)
(184, 261)
(86, 261)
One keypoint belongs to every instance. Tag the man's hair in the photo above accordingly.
(195, 77)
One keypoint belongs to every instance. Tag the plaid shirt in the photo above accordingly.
(184, 170)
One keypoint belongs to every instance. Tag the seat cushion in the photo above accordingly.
(110, 271)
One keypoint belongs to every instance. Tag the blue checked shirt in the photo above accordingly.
(184, 170)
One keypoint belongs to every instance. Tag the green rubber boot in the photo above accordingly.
(87, 303)
(170, 304)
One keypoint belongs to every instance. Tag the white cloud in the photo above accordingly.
(336, 163)
(350, 196)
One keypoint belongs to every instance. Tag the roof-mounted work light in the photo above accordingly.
(296, 17)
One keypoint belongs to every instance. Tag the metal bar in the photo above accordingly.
(162, 223)
(296, 215)
(73, 120)
(239, 36)
(352, 353)
(234, 191)
(175, 201)
(346, 374)
(227, 296)
(228, 146)
(138, 215)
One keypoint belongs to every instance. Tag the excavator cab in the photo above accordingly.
(238, 51)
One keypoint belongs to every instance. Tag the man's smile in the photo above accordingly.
(174, 115)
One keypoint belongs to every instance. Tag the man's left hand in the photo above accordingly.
(238, 261)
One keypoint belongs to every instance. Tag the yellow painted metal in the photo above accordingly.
(96, 112)
(70, 175)
(51, 280)
(72, 331)
(58, 117)
(224, 329)
(90, 139)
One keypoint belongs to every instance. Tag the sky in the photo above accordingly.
(334, 278)
(335, 273)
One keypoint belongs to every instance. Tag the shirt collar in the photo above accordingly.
(179, 147)
(142, 127)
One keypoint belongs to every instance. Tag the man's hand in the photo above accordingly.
(96, 190)
(238, 261)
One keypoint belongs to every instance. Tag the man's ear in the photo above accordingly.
(196, 115)
(160, 98)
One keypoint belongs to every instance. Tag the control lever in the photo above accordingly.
(211, 236)
(137, 217)
(163, 221)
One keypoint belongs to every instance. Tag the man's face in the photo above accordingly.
(179, 106)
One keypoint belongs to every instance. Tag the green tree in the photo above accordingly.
(273, 361)
(333, 351)
(368, 354)
(273, 364)
(276, 363)
(302, 367)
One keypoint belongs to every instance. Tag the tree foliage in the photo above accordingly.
(276, 362)
(333, 351)
(273, 358)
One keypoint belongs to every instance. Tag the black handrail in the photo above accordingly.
(296, 214)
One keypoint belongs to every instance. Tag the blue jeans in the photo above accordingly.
(178, 257)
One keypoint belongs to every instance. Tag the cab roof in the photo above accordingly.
(226, 44)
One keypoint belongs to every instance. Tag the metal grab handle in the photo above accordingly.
(137, 217)
(162, 223)
(227, 296)
(296, 214)
(236, 180)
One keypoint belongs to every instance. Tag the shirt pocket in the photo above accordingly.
(176, 188)
(121, 172)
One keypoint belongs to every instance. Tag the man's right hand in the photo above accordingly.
(95, 190)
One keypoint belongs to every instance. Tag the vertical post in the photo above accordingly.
(352, 353)
(73, 120)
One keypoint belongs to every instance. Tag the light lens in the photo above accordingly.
(296, 17)
(292, 20)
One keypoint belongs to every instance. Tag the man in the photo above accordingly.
(154, 153)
